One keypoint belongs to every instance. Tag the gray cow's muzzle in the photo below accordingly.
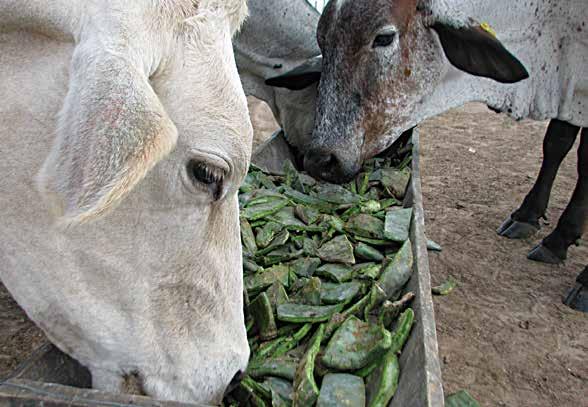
(330, 166)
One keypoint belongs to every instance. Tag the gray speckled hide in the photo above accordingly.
(390, 64)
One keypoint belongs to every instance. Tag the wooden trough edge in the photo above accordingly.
(420, 375)
(18, 392)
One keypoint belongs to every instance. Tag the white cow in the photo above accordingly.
(124, 136)
(277, 37)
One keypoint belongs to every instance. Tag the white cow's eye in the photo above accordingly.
(206, 177)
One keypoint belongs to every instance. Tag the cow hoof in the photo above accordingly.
(577, 298)
(513, 229)
(544, 255)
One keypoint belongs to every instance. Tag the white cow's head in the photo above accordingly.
(152, 143)
(382, 59)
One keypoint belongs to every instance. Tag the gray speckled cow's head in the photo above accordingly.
(381, 58)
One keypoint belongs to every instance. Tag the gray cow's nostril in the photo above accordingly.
(319, 164)
(322, 165)
(328, 167)
(317, 160)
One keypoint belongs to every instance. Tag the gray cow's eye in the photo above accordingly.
(385, 36)
(383, 40)
(206, 177)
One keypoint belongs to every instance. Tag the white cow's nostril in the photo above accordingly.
(133, 384)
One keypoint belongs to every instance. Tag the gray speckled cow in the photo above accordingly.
(390, 64)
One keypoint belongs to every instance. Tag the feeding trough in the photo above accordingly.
(53, 378)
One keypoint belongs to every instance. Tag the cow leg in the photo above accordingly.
(524, 222)
(572, 223)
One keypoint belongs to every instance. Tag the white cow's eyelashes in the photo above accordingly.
(206, 177)
(201, 172)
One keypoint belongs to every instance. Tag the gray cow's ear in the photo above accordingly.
(477, 51)
(300, 77)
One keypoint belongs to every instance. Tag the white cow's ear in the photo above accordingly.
(476, 50)
(111, 131)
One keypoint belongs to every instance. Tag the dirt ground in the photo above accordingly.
(18, 336)
(503, 334)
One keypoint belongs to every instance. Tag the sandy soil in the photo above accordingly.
(503, 334)
(18, 336)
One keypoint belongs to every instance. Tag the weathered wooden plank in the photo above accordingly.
(26, 393)
(420, 372)
(48, 364)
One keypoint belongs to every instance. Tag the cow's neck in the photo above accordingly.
(275, 39)
(57, 19)
(544, 36)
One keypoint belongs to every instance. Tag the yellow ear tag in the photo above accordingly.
(486, 27)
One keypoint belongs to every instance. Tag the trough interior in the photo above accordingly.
(420, 382)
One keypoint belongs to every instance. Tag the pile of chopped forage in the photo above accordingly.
(324, 269)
